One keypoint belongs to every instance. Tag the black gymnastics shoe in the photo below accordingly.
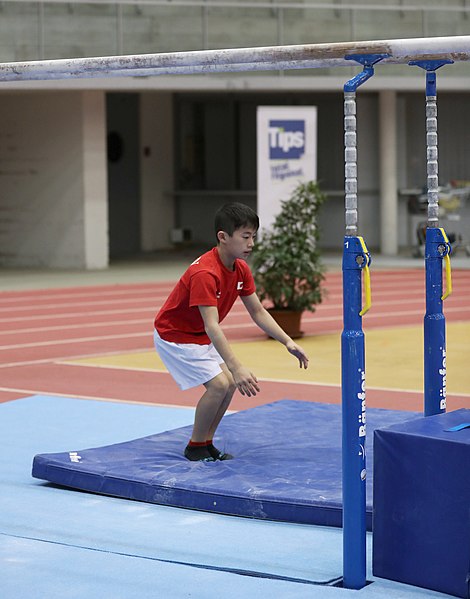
(218, 455)
(198, 454)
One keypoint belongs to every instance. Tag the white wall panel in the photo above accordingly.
(156, 172)
(42, 180)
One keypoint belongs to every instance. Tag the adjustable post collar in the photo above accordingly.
(437, 243)
(356, 256)
(438, 248)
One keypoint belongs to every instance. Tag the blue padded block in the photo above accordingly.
(422, 503)
(287, 465)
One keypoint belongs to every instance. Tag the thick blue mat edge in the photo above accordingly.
(322, 433)
(190, 499)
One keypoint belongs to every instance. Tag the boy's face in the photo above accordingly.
(240, 244)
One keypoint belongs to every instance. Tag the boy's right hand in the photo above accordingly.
(245, 381)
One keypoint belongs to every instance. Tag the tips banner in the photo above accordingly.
(286, 154)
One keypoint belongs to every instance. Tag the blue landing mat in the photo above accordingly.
(287, 465)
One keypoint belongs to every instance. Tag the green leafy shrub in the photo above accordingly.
(286, 260)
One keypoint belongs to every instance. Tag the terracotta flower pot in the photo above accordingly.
(288, 320)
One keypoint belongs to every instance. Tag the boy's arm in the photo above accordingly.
(245, 380)
(267, 323)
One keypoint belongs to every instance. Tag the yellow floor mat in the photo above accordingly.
(394, 359)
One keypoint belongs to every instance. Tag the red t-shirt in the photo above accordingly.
(207, 282)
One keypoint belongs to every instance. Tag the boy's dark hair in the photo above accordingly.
(233, 216)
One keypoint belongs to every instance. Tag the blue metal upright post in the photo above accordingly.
(437, 248)
(353, 375)
(435, 371)
(355, 259)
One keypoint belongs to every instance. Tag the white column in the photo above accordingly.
(95, 186)
(388, 172)
(156, 169)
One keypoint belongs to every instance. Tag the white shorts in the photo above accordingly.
(190, 364)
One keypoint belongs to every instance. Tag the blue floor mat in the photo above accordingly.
(287, 465)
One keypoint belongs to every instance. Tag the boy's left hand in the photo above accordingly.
(298, 352)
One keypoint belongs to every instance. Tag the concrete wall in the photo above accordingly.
(33, 30)
(52, 180)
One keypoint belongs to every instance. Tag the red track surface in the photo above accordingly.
(40, 329)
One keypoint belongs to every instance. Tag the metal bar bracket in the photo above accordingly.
(367, 61)
(430, 66)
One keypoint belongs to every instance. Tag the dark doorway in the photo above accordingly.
(123, 174)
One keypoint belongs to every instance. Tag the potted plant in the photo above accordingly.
(286, 259)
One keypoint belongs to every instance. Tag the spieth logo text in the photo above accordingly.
(286, 139)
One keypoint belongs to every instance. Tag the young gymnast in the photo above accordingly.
(188, 336)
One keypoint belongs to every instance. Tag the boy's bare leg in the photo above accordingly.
(225, 402)
(210, 407)
(209, 412)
